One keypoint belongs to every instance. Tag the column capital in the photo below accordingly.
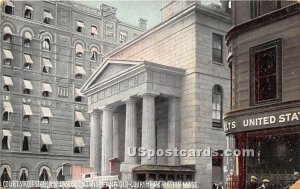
(107, 108)
(94, 111)
(131, 99)
(149, 94)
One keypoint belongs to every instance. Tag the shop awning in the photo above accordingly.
(27, 84)
(47, 62)
(7, 54)
(27, 110)
(7, 30)
(28, 59)
(27, 7)
(8, 107)
(48, 15)
(79, 70)
(46, 139)
(27, 134)
(79, 116)
(80, 24)
(77, 92)
(7, 81)
(79, 48)
(46, 112)
(78, 142)
(28, 36)
(9, 3)
(94, 49)
(46, 87)
(94, 30)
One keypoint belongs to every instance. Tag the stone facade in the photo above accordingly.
(55, 46)
(182, 104)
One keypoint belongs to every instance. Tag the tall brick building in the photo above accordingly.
(265, 110)
(48, 50)
(165, 89)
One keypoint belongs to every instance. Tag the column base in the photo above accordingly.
(126, 171)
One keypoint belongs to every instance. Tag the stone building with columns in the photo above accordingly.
(165, 89)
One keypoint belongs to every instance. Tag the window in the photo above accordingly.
(79, 50)
(44, 174)
(217, 100)
(78, 95)
(63, 92)
(46, 44)
(5, 174)
(23, 174)
(266, 72)
(27, 86)
(123, 37)
(7, 34)
(255, 8)
(9, 7)
(78, 145)
(6, 138)
(47, 17)
(45, 142)
(25, 146)
(28, 12)
(60, 176)
(7, 83)
(46, 115)
(217, 49)
(27, 39)
(8, 57)
(80, 26)
(46, 88)
(79, 72)
(94, 56)
(47, 65)
(8, 110)
(26, 112)
(79, 118)
(27, 61)
(94, 31)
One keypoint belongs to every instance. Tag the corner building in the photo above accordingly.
(265, 70)
(165, 89)
(48, 50)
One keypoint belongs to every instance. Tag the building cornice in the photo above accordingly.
(263, 20)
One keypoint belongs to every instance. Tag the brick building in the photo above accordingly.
(165, 89)
(48, 50)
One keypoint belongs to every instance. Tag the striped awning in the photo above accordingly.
(78, 142)
(79, 116)
(27, 110)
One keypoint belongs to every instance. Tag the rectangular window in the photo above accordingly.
(266, 72)
(28, 12)
(254, 8)
(123, 37)
(80, 26)
(217, 48)
(94, 30)
(63, 92)
(47, 17)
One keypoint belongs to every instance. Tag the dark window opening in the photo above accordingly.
(77, 124)
(278, 4)
(5, 116)
(23, 176)
(26, 91)
(7, 38)
(217, 50)
(44, 176)
(141, 177)
(8, 10)
(79, 29)
(60, 176)
(78, 76)
(94, 56)
(46, 69)
(4, 177)
(44, 148)
(217, 159)
(79, 54)
(5, 143)
(77, 150)
(7, 62)
(45, 120)
(47, 20)
(78, 99)
(25, 144)
(255, 9)
(27, 14)
(27, 66)
(46, 94)
(27, 42)
(217, 106)
(6, 87)
(26, 118)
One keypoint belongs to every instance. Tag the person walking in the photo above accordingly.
(253, 183)
(265, 184)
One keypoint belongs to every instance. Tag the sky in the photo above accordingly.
(131, 11)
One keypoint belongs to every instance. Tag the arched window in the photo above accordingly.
(45, 174)
(27, 39)
(23, 174)
(7, 34)
(5, 172)
(79, 50)
(94, 56)
(217, 106)
(46, 44)
(60, 176)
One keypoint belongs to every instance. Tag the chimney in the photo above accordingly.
(142, 23)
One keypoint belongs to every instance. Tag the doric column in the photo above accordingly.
(148, 127)
(116, 134)
(107, 139)
(173, 128)
(95, 140)
(131, 131)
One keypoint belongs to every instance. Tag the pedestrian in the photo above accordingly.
(215, 185)
(265, 184)
(296, 185)
(220, 186)
(253, 183)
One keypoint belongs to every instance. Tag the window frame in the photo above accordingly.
(217, 123)
(30, 12)
(277, 43)
(214, 35)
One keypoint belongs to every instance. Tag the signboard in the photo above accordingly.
(234, 124)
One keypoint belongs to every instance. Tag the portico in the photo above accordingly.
(123, 97)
